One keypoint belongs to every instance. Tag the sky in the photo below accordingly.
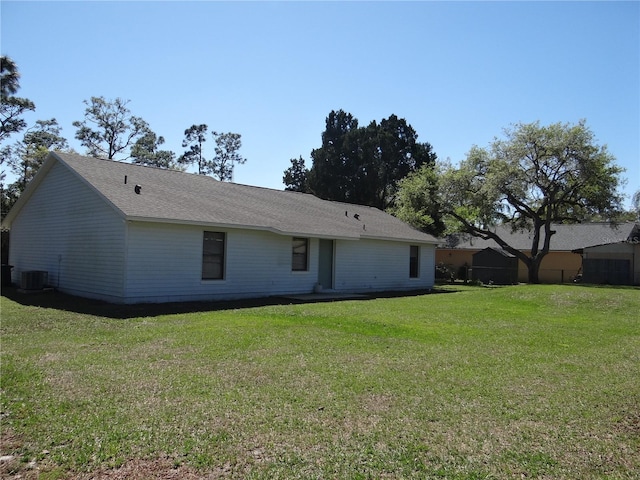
(458, 72)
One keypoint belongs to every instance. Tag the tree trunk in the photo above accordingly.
(534, 267)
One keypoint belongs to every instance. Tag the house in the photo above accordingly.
(561, 265)
(493, 265)
(126, 233)
(615, 263)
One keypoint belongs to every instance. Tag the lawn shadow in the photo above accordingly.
(61, 301)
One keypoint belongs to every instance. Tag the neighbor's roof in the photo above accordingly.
(566, 238)
(497, 251)
(178, 197)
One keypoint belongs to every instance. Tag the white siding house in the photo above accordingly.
(131, 234)
(68, 231)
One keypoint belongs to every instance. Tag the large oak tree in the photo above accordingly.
(532, 178)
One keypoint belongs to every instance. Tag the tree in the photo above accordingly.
(10, 77)
(536, 176)
(417, 201)
(227, 146)
(329, 176)
(10, 195)
(145, 151)
(29, 154)
(11, 107)
(400, 154)
(226, 152)
(295, 177)
(108, 128)
(363, 165)
(635, 200)
(11, 110)
(194, 138)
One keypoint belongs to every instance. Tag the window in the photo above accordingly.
(213, 256)
(300, 249)
(414, 261)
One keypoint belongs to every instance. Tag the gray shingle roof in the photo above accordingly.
(500, 251)
(566, 238)
(178, 197)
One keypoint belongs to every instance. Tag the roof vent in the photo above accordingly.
(137, 189)
(346, 213)
(356, 216)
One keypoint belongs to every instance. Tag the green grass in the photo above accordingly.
(513, 382)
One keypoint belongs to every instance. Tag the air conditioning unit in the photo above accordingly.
(34, 280)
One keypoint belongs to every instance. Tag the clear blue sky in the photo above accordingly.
(458, 72)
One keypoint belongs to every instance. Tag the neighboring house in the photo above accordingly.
(561, 265)
(130, 234)
(615, 263)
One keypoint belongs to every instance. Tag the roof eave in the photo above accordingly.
(399, 239)
(292, 233)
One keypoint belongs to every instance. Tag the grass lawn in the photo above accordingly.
(499, 383)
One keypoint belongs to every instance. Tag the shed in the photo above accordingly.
(127, 233)
(495, 266)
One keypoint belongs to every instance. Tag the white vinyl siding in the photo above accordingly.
(165, 264)
(70, 232)
(376, 265)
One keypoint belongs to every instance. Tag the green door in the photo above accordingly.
(325, 269)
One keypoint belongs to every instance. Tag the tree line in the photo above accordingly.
(533, 177)
(108, 130)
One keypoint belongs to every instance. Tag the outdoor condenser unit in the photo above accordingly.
(34, 280)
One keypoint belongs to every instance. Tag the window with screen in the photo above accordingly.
(213, 256)
(300, 248)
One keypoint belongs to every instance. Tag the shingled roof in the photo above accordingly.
(567, 237)
(176, 197)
